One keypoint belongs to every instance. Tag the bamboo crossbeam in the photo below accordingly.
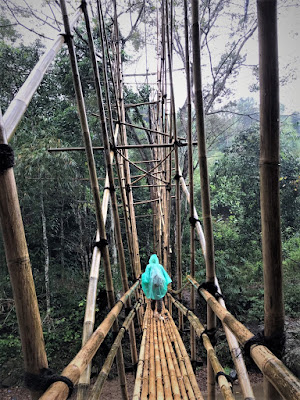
(59, 390)
(277, 373)
(19, 105)
(147, 103)
(98, 386)
(143, 128)
(199, 329)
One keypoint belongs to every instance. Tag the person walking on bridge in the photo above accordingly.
(155, 282)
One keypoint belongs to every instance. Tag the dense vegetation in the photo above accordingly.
(58, 214)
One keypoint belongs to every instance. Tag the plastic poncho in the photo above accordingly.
(155, 279)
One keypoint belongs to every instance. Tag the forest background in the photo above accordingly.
(55, 197)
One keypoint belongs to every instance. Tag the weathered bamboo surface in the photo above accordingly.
(164, 369)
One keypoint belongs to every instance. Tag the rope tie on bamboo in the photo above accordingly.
(177, 177)
(228, 377)
(123, 305)
(66, 36)
(274, 343)
(178, 143)
(101, 243)
(168, 187)
(127, 188)
(7, 159)
(211, 333)
(45, 379)
(211, 288)
(193, 221)
(113, 147)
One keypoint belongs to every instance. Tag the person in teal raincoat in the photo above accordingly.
(155, 282)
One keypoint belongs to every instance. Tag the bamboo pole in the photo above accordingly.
(141, 362)
(274, 370)
(98, 386)
(94, 187)
(158, 372)
(269, 177)
(152, 376)
(19, 267)
(191, 172)
(59, 391)
(145, 387)
(118, 147)
(199, 328)
(109, 168)
(204, 179)
(19, 105)
(164, 367)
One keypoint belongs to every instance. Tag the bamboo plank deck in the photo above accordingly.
(164, 368)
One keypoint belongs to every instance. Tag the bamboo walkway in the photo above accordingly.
(164, 368)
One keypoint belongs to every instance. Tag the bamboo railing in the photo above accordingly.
(58, 390)
(273, 369)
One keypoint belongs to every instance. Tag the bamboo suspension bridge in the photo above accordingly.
(164, 367)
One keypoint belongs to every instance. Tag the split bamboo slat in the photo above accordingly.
(286, 383)
(19, 267)
(199, 328)
(18, 106)
(98, 386)
(141, 362)
(59, 390)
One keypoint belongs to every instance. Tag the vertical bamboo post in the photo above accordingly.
(191, 171)
(204, 179)
(19, 267)
(177, 176)
(94, 185)
(269, 175)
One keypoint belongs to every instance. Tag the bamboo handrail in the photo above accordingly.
(287, 384)
(199, 329)
(58, 390)
(98, 385)
(18, 106)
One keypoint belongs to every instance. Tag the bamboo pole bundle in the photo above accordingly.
(94, 187)
(171, 368)
(18, 106)
(199, 328)
(141, 362)
(184, 374)
(158, 373)
(164, 366)
(274, 370)
(98, 386)
(19, 267)
(152, 376)
(109, 168)
(204, 178)
(187, 362)
(59, 391)
(179, 377)
(269, 176)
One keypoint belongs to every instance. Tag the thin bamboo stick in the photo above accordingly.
(140, 367)
(59, 391)
(269, 176)
(276, 372)
(19, 267)
(98, 386)
(18, 106)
